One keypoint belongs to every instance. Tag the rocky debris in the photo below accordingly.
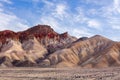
(5, 62)
(26, 63)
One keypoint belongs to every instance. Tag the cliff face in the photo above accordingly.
(42, 46)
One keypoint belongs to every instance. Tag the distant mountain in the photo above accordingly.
(41, 46)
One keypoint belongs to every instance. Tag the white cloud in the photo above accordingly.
(58, 27)
(50, 21)
(115, 38)
(114, 22)
(54, 14)
(6, 1)
(117, 27)
(8, 20)
(117, 5)
(47, 3)
(80, 16)
(111, 10)
(60, 9)
(81, 33)
(61, 19)
(94, 24)
(97, 2)
(92, 11)
(11, 22)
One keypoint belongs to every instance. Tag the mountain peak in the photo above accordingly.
(4, 35)
(99, 37)
(40, 29)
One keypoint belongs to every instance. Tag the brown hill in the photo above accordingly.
(32, 44)
(42, 46)
(94, 52)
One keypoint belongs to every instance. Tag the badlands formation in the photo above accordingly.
(41, 46)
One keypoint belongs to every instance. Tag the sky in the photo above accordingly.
(77, 17)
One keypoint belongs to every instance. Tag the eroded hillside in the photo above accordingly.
(41, 46)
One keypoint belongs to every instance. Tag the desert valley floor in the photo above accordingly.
(59, 74)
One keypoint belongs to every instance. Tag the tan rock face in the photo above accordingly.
(94, 52)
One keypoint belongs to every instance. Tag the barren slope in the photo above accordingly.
(29, 47)
(41, 46)
(96, 51)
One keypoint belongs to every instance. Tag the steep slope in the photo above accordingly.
(29, 50)
(26, 47)
(96, 51)
(42, 46)
(47, 37)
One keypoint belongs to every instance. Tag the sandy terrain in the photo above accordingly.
(59, 74)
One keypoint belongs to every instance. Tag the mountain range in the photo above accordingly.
(41, 46)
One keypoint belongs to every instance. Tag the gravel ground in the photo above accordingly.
(59, 74)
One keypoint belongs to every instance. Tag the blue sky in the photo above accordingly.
(77, 17)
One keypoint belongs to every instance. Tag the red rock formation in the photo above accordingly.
(39, 31)
(45, 35)
(7, 34)
(64, 35)
(38, 42)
